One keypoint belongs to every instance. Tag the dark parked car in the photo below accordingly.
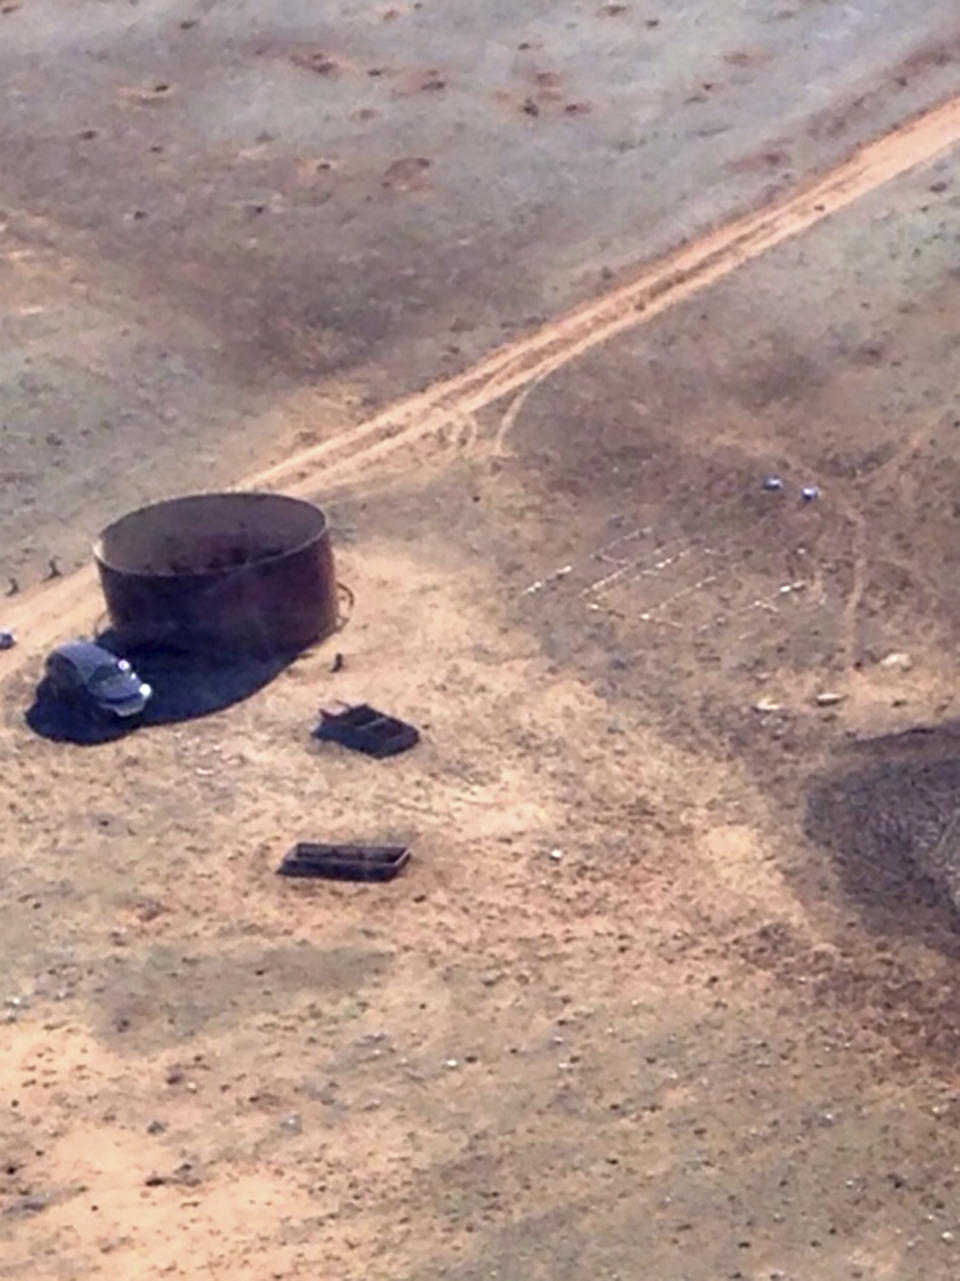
(88, 673)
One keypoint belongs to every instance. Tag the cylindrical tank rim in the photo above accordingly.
(217, 495)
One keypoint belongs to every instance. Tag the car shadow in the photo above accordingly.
(185, 687)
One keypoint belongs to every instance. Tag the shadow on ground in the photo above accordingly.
(889, 815)
(185, 687)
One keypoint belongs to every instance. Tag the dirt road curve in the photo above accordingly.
(532, 303)
(518, 365)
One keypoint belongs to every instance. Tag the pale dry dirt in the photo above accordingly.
(668, 989)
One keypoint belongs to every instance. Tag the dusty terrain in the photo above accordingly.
(668, 989)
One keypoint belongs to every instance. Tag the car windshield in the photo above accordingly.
(106, 672)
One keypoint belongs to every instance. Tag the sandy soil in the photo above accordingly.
(667, 990)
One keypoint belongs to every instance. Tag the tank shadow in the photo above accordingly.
(185, 687)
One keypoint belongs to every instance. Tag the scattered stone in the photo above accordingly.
(767, 705)
(452, 1063)
(174, 1075)
(292, 1123)
(810, 493)
(829, 698)
(897, 662)
(7, 638)
(109, 1244)
(540, 583)
(156, 1127)
(319, 62)
(773, 484)
(149, 910)
(556, 855)
(406, 174)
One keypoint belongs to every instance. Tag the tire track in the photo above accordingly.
(50, 612)
(664, 284)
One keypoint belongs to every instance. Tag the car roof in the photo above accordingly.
(85, 655)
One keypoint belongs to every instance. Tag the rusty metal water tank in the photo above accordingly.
(235, 573)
